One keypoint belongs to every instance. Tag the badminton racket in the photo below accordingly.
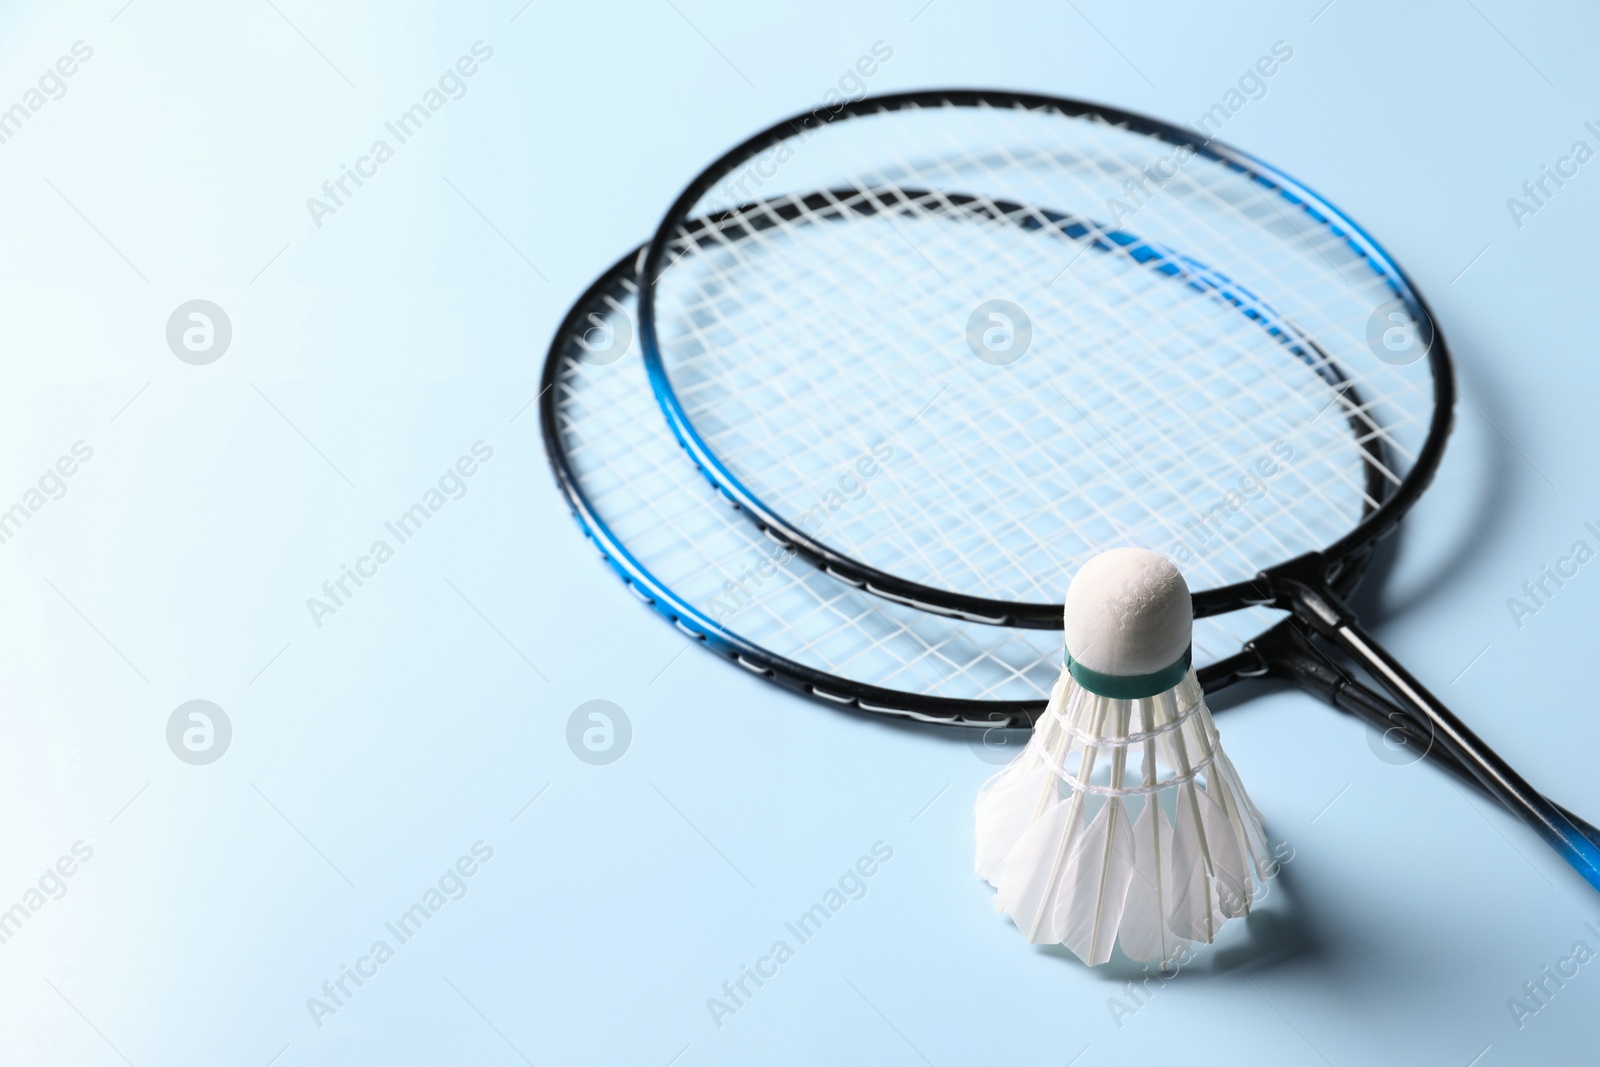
(1079, 328)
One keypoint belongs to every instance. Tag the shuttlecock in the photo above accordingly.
(1122, 820)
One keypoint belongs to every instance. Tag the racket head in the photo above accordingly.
(779, 333)
(678, 544)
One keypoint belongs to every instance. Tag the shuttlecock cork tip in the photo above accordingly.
(1128, 615)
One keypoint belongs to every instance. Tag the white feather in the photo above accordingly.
(1010, 801)
(1067, 882)
(1193, 910)
(1006, 808)
(1211, 879)
(1144, 935)
(1246, 818)
(1021, 888)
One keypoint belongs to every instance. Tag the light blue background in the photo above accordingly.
(371, 352)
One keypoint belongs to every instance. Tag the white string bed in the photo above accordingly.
(1146, 407)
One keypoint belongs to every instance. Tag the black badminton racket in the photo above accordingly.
(1079, 328)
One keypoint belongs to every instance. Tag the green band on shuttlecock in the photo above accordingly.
(1130, 687)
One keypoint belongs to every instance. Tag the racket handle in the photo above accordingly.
(1304, 591)
(1287, 653)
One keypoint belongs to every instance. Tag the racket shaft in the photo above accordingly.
(1301, 587)
(1382, 714)
(1289, 654)
(1485, 764)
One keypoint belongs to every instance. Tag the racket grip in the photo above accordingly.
(1302, 589)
